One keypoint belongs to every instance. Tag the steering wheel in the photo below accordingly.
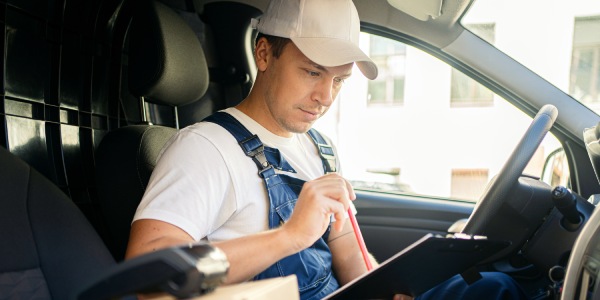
(500, 186)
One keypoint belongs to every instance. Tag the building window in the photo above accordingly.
(468, 184)
(464, 90)
(390, 57)
(585, 63)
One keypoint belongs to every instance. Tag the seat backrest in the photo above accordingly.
(49, 249)
(166, 66)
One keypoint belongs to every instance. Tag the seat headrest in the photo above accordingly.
(166, 61)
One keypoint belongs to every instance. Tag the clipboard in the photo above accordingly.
(419, 267)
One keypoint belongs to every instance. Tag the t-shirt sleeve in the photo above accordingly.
(190, 187)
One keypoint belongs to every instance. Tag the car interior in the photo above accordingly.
(92, 91)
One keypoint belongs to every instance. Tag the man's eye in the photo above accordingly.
(339, 80)
(313, 73)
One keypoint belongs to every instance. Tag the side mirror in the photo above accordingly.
(556, 169)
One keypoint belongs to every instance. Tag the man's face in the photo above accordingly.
(300, 91)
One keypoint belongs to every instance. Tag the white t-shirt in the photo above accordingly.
(204, 184)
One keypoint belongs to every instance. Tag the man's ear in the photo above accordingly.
(262, 54)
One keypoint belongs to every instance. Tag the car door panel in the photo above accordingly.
(390, 222)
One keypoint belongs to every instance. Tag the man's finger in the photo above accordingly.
(340, 219)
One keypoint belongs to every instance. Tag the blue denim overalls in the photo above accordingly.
(311, 266)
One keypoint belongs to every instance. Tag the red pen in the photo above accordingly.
(360, 240)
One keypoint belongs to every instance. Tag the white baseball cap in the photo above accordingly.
(326, 31)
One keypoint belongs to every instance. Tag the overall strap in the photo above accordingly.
(250, 143)
(325, 151)
(254, 148)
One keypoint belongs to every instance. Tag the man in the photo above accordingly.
(280, 210)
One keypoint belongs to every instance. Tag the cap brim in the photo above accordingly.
(334, 52)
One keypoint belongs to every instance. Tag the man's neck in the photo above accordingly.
(257, 111)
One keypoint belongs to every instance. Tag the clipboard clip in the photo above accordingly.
(464, 236)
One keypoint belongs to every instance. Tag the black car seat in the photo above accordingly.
(166, 66)
(49, 249)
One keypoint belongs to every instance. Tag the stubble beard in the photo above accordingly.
(282, 121)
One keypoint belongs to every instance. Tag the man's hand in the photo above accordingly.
(318, 201)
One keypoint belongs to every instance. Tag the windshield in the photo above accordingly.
(559, 40)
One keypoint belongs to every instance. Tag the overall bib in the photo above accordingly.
(312, 266)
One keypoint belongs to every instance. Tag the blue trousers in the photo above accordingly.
(492, 286)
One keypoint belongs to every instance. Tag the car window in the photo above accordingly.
(565, 33)
(422, 127)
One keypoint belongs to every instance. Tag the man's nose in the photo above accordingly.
(324, 92)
